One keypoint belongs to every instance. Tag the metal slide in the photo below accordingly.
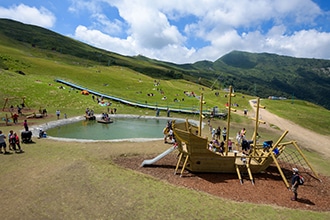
(160, 156)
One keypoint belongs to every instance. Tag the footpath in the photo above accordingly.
(305, 138)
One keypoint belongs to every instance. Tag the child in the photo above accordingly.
(230, 145)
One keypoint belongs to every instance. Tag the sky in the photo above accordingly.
(185, 31)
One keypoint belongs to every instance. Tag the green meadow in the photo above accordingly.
(59, 180)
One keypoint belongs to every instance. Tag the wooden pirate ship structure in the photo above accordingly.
(195, 155)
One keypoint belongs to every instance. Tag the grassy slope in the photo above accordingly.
(65, 175)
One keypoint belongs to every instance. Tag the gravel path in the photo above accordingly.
(305, 138)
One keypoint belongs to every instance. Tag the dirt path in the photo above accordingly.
(305, 138)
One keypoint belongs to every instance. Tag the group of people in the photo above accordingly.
(19, 108)
(89, 112)
(217, 146)
(105, 116)
(217, 133)
(13, 143)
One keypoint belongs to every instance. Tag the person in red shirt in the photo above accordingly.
(15, 118)
(16, 139)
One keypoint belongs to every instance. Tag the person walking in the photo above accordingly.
(11, 141)
(17, 143)
(295, 184)
(3, 143)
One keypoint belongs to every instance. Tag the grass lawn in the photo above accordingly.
(60, 180)
(79, 181)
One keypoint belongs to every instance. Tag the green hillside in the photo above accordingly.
(260, 75)
(30, 62)
(274, 75)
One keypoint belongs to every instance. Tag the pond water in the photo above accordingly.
(121, 128)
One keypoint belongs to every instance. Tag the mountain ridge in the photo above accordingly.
(259, 74)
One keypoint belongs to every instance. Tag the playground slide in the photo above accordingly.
(160, 156)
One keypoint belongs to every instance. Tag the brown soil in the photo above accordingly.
(268, 188)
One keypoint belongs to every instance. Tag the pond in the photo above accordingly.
(121, 128)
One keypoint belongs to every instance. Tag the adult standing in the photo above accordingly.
(25, 124)
(224, 134)
(218, 133)
(58, 113)
(295, 184)
(3, 143)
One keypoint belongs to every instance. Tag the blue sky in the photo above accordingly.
(185, 31)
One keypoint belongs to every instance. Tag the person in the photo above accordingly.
(267, 145)
(25, 124)
(19, 110)
(245, 112)
(3, 143)
(218, 132)
(41, 133)
(238, 137)
(58, 113)
(243, 133)
(230, 145)
(221, 147)
(171, 140)
(210, 146)
(166, 132)
(44, 112)
(210, 128)
(245, 147)
(295, 183)
(157, 112)
(224, 134)
(213, 133)
(16, 140)
(15, 118)
(12, 140)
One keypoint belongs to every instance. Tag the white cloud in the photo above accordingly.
(304, 43)
(168, 30)
(101, 40)
(110, 27)
(29, 15)
(224, 25)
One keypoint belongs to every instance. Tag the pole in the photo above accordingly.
(228, 119)
(254, 138)
(200, 115)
